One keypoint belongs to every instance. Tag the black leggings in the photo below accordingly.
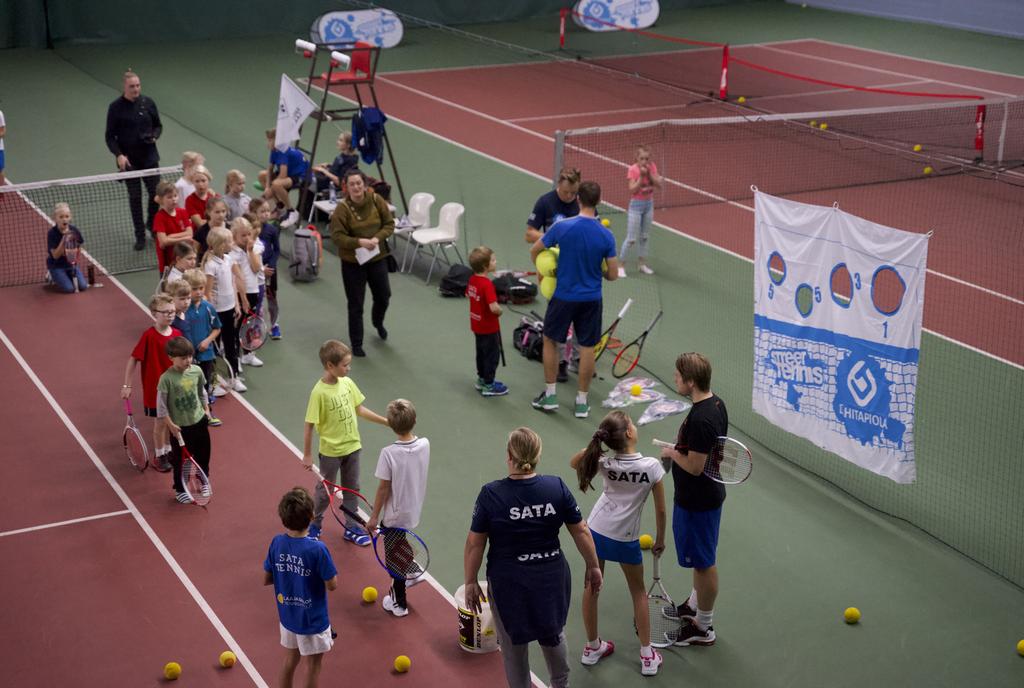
(197, 439)
(356, 277)
(229, 338)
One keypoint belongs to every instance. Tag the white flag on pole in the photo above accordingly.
(293, 108)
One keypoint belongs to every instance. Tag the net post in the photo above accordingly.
(559, 154)
(723, 86)
(561, 27)
(979, 132)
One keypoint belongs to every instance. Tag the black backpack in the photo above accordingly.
(528, 338)
(517, 290)
(454, 284)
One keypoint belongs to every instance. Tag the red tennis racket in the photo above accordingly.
(193, 478)
(134, 446)
(400, 552)
(71, 253)
(606, 338)
(629, 355)
(253, 331)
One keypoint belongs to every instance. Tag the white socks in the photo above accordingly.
(550, 390)
(704, 619)
(581, 397)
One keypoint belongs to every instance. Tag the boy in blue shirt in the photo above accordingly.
(201, 325)
(288, 169)
(301, 571)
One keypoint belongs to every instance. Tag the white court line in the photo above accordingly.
(58, 524)
(879, 70)
(917, 59)
(691, 237)
(139, 518)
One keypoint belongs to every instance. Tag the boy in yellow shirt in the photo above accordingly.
(332, 411)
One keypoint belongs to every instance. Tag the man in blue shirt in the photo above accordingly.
(288, 170)
(583, 244)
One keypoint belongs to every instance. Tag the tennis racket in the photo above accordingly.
(629, 355)
(253, 331)
(400, 552)
(661, 611)
(501, 348)
(222, 370)
(602, 343)
(134, 446)
(729, 462)
(196, 483)
(71, 253)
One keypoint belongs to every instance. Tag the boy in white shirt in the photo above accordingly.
(402, 472)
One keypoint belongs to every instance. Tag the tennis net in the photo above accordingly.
(786, 154)
(99, 208)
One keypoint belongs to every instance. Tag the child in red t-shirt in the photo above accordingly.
(151, 352)
(483, 320)
(170, 225)
(195, 202)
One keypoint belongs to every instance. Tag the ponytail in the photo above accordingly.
(612, 433)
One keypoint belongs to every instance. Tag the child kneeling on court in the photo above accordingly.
(301, 571)
(182, 404)
(615, 522)
(334, 403)
(483, 320)
(402, 472)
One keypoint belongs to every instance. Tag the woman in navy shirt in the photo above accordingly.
(528, 576)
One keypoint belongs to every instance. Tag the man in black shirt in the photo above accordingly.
(133, 126)
(698, 499)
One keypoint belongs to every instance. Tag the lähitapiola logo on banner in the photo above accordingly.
(380, 28)
(837, 328)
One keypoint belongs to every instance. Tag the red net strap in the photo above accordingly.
(868, 89)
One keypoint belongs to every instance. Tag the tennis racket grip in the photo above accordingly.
(662, 443)
(625, 307)
(127, 406)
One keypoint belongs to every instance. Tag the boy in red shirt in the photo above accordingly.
(170, 225)
(483, 320)
(151, 352)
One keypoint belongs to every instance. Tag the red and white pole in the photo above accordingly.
(723, 85)
(561, 26)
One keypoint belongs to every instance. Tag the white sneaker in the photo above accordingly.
(290, 221)
(649, 665)
(250, 359)
(220, 391)
(644, 268)
(392, 607)
(238, 385)
(591, 656)
(622, 272)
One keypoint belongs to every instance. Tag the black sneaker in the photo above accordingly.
(358, 352)
(381, 332)
(563, 372)
(140, 244)
(691, 634)
(683, 611)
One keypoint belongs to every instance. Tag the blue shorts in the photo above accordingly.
(696, 536)
(1, 160)
(584, 316)
(616, 550)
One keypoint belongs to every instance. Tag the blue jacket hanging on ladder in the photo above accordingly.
(368, 133)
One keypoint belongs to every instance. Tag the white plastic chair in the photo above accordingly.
(420, 205)
(445, 235)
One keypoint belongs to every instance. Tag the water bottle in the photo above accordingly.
(333, 193)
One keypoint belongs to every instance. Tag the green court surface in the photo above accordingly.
(795, 550)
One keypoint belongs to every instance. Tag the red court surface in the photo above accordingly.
(109, 601)
(496, 111)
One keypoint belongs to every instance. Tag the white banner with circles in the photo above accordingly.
(838, 303)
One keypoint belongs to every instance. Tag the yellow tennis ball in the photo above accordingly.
(851, 615)
(547, 263)
(823, 126)
(172, 670)
(813, 122)
(928, 169)
(741, 99)
(402, 664)
(606, 222)
(1020, 647)
(646, 541)
(369, 594)
(917, 147)
(547, 287)
(636, 390)
(227, 658)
